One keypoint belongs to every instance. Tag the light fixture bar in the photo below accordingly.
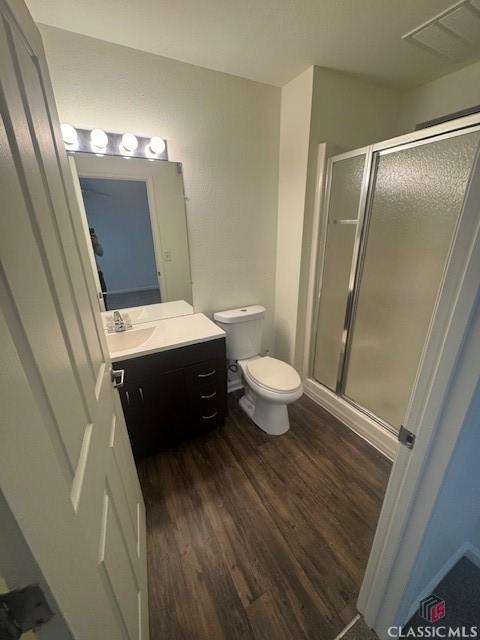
(125, 145)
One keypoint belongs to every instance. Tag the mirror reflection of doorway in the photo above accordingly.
(121, 234)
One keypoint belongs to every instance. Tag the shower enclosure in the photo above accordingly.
(389, 217)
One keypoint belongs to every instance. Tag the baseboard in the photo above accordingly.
(348, 627)
(355, 420)
(464, 550)
(117, 292)
(473, 554)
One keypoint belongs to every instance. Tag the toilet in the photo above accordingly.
(270, 384)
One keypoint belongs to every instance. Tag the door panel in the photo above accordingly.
(333, 303)
(342, 219)
(122, 508)
(116, 564)
(30, 284)
(29, 467)
(416, 202)
(120, 458)
(66, 467)
(88, 345)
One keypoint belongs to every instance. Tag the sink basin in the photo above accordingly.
(129, 339)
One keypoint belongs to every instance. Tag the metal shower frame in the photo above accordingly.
(372, 154)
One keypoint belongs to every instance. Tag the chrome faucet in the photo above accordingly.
(118, 322)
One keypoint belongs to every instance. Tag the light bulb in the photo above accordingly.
(69, 134)
(157, 145)
(98, 138)
(129, 142)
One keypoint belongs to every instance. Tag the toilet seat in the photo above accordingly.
(273, 375)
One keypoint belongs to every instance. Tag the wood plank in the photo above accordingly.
(255, 536)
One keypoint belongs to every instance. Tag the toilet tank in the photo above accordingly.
(243, 327)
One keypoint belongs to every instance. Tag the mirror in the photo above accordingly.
(135, 222)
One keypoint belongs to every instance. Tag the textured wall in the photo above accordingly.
(294, 140)
(222, 128)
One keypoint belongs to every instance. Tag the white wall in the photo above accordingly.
(292, 176)
(450, 93)
(223, 129)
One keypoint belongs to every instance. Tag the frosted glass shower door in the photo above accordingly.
(345, 176)
(417, 198)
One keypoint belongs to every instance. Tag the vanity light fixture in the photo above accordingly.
(99, 139)
(157, 145)
(69, 134)
(127, 145)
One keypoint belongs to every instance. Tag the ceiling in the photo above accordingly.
(270, 41)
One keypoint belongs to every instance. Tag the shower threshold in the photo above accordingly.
(370, 414)
(375, 431)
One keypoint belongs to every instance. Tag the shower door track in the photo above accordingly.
(385, 425)
(372, 153)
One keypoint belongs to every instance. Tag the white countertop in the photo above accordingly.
(161, 335)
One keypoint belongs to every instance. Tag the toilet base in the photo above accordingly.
(270, 417)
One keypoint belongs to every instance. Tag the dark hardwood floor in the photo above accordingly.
(256, 536)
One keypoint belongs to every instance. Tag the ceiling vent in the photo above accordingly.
(453, 34)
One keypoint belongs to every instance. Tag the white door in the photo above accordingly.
(66, 468)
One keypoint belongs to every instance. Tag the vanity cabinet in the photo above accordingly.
(172, 395)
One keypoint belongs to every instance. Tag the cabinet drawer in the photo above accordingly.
(205, 400)
(206, 374)
(208, 413)
(212, 419)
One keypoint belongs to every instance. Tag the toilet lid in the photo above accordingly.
(274, 374)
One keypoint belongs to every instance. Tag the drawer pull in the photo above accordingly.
(209, 417)
(207, 375)
(210, 395)
(127, 395)
(140, 391)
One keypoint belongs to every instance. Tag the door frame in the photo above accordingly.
(84, 220)
(110, 173)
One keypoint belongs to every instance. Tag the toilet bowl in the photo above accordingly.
(270, 384)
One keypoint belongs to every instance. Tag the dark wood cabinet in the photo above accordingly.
(172, 395)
